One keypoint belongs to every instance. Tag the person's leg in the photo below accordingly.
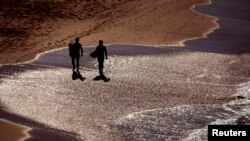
(101, 61)
(101, 66)
(73, 62)
(77, 63)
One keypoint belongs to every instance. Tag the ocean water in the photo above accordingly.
(166, 96)
(186, 122)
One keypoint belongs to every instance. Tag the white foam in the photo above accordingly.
(218, 114)
(201, 134)
(243, 90)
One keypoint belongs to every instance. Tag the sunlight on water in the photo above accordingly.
(155, 124)
(134, 103)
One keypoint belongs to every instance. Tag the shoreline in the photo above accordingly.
(33, 130)
(211, 30)
(11, 131)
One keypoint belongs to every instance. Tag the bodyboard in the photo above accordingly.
(94, 54)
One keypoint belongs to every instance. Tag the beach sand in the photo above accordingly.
(33, 26)
(12, 132)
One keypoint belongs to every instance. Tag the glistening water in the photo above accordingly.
(173, 95)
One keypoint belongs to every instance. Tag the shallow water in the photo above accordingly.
(149, 97)
(188, 122)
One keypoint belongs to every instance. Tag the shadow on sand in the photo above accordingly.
(102, 77)
(77, 75)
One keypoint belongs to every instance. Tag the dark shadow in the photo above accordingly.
(102, 77)
(77, 75)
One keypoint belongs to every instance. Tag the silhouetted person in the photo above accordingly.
(101, 54)
(74, 51)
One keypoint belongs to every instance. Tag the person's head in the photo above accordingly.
(100, 42)
(77, 39)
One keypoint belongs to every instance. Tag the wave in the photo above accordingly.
(186, 122)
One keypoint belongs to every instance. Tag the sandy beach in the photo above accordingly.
(155, 93)
(31, 27)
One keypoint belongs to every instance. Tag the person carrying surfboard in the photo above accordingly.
(101, 52)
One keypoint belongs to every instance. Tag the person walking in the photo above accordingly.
(101, 54)
(75, 50)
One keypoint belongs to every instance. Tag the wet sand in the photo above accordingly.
(12, 132)
(28, 27)
(33, 130)
(194, 82)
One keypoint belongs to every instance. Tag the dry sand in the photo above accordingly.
(33, 26)
(12, 132)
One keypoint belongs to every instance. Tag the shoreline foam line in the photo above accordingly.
(91, 46)
(211, 30)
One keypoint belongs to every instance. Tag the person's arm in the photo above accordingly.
(105, 51)
(81, 50)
